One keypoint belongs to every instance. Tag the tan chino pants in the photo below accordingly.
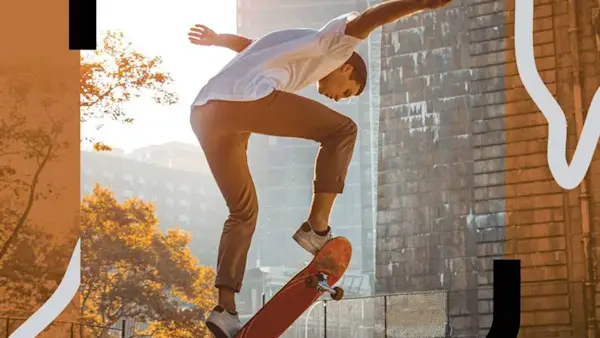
(223, 129)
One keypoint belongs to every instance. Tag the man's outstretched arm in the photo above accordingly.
(204, 36)
(234, 42)
(388, 12)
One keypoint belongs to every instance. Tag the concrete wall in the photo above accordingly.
(463, 176)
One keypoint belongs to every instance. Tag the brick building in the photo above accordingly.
(463, 174)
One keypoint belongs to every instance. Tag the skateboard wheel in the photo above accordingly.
(339, 293)
(312, 281)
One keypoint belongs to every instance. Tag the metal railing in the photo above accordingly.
(418, 314)
(402, 315)
(58, 329)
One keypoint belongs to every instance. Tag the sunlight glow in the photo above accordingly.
(159, 28)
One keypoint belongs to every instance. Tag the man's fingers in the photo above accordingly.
(200, 35)
(198, 30)
(203, 28)
(196, 35)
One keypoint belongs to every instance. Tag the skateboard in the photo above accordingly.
(295, 297)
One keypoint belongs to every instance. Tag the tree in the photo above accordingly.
(114, 74)
(26, 150)
(31, 266)
(110, 76)
(32, 273)
(132, 270)
(31, 141)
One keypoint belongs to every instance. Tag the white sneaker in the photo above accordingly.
(309, 240)
(223, 324)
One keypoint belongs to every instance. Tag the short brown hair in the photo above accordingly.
(359, 74)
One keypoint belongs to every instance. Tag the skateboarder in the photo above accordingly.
(254, 93)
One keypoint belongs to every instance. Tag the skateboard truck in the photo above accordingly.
(319, 281)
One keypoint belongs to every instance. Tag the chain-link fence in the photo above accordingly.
(406, 315)
(60, 329)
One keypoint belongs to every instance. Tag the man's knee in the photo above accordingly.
(347, 131)
(352, 128)
(246, 216)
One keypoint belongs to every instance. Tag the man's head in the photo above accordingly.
(346, 81)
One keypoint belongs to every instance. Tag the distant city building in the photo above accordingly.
(186, 199)
(283, 168)
(175, 155)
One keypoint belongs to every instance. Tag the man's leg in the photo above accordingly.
(225, 152)
(289, 115)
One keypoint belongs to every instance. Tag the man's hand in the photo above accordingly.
(203, 36)
(387, 12)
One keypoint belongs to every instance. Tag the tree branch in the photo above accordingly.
(100, 97)
(30, 201)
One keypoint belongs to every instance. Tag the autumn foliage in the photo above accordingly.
(29, 272)
(114, 74)
(130, 269)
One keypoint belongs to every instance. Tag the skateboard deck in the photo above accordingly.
(287, 305)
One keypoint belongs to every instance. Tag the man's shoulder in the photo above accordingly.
(288, 33)
(281, 36)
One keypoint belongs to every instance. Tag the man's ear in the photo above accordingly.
(347, 68)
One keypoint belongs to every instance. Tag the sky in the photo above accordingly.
(160, 28)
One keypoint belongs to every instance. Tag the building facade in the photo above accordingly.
(189, 200)
(463, 171)
(174, 155)
(284, 168)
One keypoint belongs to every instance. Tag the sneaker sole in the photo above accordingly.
(216, 331)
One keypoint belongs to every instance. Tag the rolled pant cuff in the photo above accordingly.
(235, 287)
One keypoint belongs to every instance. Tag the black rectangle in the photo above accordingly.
(507, 299)
(82, 24)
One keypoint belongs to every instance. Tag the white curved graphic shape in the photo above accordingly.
(59, 300)
(567, 176)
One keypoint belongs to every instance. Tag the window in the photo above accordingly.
(184, 219)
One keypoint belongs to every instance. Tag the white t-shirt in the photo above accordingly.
(286, 60)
